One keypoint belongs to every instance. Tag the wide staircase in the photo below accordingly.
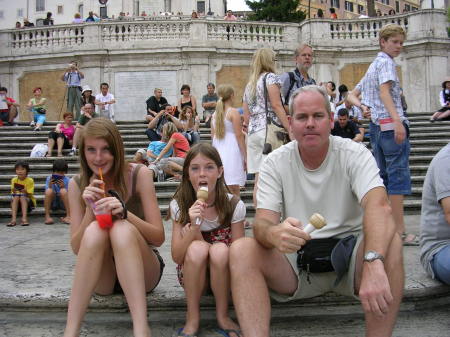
(16, 143)
(37, 262)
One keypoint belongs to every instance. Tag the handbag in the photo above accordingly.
(276, 135)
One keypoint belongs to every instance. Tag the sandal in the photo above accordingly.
(226, 332)
(181, 333)
(11, 224)
(411, 242)
(25, 224)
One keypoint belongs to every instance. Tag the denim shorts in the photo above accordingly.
(39, 118)
(392, 160)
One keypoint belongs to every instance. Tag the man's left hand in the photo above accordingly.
(375, 290)
(399, 132)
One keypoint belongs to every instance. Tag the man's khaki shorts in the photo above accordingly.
(321, 283)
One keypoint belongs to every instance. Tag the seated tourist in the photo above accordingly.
(346, 128)
(155, 126)
(338, 179)
(62, 136)
(435, 218)
(172, 166)
(190, 125)
(8, 107)
(87, 113)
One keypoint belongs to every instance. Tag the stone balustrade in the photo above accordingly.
(207, 32)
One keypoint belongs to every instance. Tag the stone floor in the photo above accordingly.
(36, 277)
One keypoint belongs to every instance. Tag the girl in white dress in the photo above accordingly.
(229, 140)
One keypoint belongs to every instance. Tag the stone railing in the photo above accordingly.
(246, 32)
(428, 23)
(144, 31)
(40, 38)
(142, 34)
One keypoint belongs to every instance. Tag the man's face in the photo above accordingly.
(210, 89)
(310, 123)
(2, 93)
(104, 89)
(158, 94)
(343, 120)
(88, 108)
(229, 13)
(393, 46)
(304, 59)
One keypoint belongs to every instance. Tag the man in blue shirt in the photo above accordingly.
(73, 77)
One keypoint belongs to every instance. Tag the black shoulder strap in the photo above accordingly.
(291, 85)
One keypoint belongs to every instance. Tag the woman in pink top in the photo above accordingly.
(172, 165)
(62, 136)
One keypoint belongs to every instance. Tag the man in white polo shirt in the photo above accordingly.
(104, 102)
(339, 179)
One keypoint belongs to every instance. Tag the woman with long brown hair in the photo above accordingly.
(121, 257)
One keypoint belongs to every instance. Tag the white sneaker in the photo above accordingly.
(73, 152)
(32, 123)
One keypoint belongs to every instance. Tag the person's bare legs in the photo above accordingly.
(12, 114)
(255, 189)
(24, 207)
(65, 199)
(220, 283)
(396, 201)
(235, 189)
(90, 265)
(377, 326)
(254, 269)
(60, 143)
(130, 272)
(48, 198)
(51, 145)
(443, 115)
(14, 208)
(194, 276)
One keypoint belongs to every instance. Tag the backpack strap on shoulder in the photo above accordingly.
(291, 85)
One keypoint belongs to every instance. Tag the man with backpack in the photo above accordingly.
(298, 78)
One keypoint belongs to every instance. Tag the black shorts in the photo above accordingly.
(118, 289)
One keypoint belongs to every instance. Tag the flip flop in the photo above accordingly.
(64, 220)
(181, 333)
(25, 224)
(413, 242)
(226, 332)
(51, 222)
(11, 224)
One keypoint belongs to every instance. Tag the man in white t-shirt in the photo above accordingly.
(339, 179)
(104, 102)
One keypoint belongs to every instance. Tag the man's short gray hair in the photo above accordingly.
(310, 88)
(300, 48)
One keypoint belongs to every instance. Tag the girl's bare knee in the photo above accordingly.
(197, 252)
(219, 254)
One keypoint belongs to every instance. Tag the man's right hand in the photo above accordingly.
(288, 236)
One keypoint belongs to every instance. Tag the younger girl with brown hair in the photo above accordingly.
(202, 234)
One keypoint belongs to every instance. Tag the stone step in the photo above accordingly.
(411, 206)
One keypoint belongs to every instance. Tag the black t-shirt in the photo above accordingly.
(155, 105)
(349, 131)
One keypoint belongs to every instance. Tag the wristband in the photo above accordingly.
(116, 195)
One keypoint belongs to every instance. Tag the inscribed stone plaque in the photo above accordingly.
(133, 88)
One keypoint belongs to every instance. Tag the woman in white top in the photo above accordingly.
(228, 139)
(254, 108)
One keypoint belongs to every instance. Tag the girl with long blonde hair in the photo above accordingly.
(228, 139)
(263, 67)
